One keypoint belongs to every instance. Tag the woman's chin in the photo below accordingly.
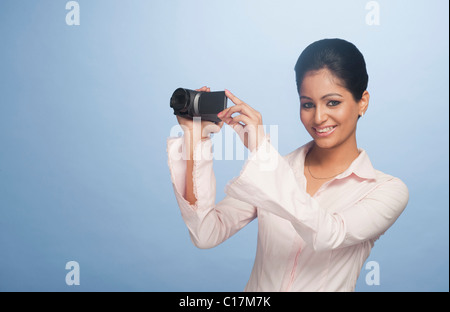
(324, 143)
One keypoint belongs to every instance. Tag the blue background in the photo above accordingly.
(84, 118)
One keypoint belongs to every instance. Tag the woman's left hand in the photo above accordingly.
(248, 124)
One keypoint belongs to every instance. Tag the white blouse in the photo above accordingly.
(305, 243)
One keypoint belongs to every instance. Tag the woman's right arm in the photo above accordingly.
(191, 140)
(194, 132)
(191, 168)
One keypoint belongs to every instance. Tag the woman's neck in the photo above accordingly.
(338, 157)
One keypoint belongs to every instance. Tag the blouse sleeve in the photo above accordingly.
(271, 181)
(208, 224)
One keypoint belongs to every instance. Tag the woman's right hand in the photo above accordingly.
(194, 132)
(202, 128)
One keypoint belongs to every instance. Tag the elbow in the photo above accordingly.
(326, 241)
(202, 243)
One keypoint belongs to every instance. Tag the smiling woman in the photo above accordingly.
(322, 207)
(332, 80)
(330, 118)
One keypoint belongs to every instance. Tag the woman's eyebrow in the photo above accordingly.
(323, 97)
(331, 94)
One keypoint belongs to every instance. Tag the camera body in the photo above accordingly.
(189, 103)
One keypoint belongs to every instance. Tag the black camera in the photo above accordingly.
(190, 104)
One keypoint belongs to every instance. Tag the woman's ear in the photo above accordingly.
(364, 103)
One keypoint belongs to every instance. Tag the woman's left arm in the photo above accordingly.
(268, 182)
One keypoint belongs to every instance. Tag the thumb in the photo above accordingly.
(240, 131)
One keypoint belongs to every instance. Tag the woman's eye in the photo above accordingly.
(334, 103)
(307, 105)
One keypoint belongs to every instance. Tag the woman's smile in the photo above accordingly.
(324, 131)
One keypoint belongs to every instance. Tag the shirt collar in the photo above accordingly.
(361, 166)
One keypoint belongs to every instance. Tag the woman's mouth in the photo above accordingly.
(324, 131)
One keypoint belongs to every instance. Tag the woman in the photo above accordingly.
(322, 207)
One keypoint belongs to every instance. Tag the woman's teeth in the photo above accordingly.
(324, 130)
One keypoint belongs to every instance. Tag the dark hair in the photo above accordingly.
(341, 57)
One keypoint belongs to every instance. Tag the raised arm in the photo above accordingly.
(194, 132)
(191, 168)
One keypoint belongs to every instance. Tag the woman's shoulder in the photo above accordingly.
(382, 178)
(391, 188)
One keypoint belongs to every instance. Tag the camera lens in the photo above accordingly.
(180, 100)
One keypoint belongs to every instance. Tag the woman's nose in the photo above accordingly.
(319, 116)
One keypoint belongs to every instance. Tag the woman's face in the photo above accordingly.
(327, 110)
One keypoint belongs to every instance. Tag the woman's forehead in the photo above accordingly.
(319, 83)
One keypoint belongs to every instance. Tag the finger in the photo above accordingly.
(237, 101)
(223, 113)
(238, 128)
(233, 98)
(225, 119)
(242, 109)
(242, 133)
(240, 119)
(202, 89)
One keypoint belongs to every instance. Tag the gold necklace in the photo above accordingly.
(309, 170)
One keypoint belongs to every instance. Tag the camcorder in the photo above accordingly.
(189, 103)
